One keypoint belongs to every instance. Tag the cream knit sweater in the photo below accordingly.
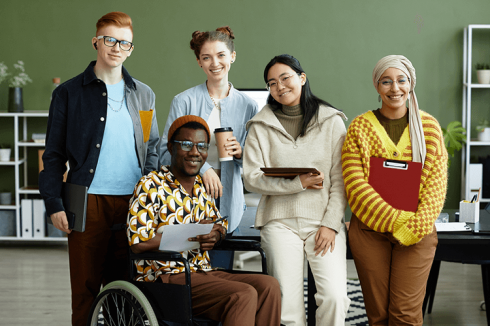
(269, 145)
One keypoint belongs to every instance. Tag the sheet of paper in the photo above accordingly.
(452, 227)
(174, 237)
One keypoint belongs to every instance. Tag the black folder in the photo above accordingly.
(74, 199)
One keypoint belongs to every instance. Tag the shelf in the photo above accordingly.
(479, 143)
(12, 162)
(29, 190)
(45, 239)
(27, 113)
(478, 26)
(477, 85)
(8, 207)
(31, 143)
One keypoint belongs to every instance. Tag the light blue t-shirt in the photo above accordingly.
(117, 170)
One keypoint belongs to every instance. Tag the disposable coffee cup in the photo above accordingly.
(222, 135)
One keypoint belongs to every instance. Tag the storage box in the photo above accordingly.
(7, 223)
(469, 212)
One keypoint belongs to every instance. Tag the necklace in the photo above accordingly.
(213, 99)
(121, 101)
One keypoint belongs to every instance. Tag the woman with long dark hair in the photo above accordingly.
(304, 215)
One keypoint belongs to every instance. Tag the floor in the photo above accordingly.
(35, 288)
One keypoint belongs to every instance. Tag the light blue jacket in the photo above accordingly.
(236, 109)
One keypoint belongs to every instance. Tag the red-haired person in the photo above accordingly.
(102, 122)
(220, 105)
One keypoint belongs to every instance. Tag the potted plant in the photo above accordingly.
(5, 152)
(16, 81)
(454, 138)
(483, 73)
(483, 130)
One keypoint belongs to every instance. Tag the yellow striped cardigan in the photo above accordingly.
(366, 138)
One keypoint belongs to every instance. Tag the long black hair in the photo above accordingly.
(308, 102)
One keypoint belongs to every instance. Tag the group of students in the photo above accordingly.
(102, 122)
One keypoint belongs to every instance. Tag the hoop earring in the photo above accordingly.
(379, 98)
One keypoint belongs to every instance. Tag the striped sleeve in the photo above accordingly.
(433, 187)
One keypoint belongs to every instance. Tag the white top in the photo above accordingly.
(214, 122)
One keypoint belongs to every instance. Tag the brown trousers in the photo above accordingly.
(234, 299)
(393, 277)
(99, 255)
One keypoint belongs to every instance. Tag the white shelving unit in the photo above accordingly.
(21, 145)
(468, 87)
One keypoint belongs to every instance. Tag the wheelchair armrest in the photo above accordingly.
(163, 255)
(241, 245)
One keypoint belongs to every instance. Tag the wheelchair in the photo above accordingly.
(125, 303)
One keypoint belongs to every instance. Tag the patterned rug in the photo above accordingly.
(356, 316)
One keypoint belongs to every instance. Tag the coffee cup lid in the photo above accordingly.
(225, 129)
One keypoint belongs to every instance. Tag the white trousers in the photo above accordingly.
(286, 242)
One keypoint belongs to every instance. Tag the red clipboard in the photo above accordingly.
(397, 182)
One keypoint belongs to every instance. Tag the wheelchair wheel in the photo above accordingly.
(121, 303)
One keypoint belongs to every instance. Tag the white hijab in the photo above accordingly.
(417, 139)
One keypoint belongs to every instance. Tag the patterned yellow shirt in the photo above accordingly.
(158, 200)
(366, 138)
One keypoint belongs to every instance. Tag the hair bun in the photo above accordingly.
(195, 39)
(226, 30)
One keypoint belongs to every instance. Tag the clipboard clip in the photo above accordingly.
(392, 164)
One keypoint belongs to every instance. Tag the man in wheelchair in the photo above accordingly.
(176, 195)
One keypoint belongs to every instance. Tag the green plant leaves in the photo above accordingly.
(454, 138)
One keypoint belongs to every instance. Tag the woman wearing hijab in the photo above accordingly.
(393, 249)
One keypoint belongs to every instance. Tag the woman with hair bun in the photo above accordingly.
(303, 216)
(221, 105)
(393, 249)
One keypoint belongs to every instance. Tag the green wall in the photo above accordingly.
(337, 42)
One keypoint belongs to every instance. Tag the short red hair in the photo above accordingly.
(117, 18)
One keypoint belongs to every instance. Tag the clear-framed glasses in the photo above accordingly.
(188, 145)
(388, 83)
(111, 41)
(284, 80)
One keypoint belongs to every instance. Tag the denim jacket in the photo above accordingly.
(236, 109)
(75, 130)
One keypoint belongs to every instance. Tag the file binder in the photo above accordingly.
(26, 218)
(38, 213)
(397, 182)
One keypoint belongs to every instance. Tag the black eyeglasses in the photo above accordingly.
(188, 145)
(111, 41)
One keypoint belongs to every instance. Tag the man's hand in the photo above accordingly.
(60, 221)
(207, 241)
(212, 183)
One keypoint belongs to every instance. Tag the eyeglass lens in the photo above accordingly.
(388, 82)
(284, 80)
(188, 145)
(111, 41)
